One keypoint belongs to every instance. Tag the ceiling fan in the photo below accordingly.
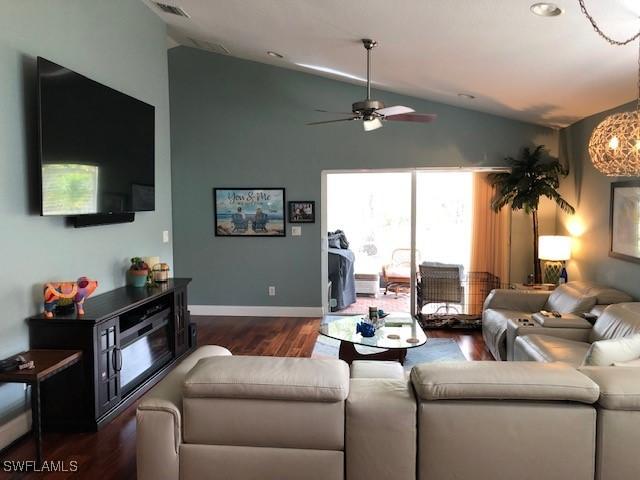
(373, 112)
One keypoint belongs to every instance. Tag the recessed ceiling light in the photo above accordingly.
(274, 54)
(467, 96)
(545, 9)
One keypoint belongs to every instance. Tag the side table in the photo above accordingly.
(47, 363)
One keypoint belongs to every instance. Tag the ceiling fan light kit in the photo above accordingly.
(614, 146)
(372, 112)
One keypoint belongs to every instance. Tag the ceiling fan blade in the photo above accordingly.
(336, 113)
(395, 110)
(333, 121)
(412, 117)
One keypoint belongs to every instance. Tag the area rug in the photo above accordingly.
(435, 350)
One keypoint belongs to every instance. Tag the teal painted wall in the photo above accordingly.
(589, 192)
(236, 123)
(122, 44)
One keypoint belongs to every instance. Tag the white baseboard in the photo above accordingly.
(254, 311)
(15, 428)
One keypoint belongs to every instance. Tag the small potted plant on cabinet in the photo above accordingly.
(137, 273)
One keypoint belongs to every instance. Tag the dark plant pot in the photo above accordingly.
(137, 278)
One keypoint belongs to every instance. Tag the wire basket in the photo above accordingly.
(447, 298)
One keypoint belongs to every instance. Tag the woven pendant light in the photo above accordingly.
(614, 145)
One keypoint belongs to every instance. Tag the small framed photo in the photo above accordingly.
(303, 211)
(624, 221)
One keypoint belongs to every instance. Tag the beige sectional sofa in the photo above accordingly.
(223, 417)
(504, 307)
(618, 321)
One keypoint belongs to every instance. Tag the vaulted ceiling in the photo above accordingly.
(546, 70)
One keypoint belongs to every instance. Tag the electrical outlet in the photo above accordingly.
(165, 236)
(296, 231)
(272, 291)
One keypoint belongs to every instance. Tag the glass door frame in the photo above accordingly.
(324, 267)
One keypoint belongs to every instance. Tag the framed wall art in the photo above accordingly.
(249, 212)
(302, 211)
(624, 221)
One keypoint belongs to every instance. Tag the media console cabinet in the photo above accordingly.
(130, 338)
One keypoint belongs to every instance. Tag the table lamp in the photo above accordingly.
(554, 250)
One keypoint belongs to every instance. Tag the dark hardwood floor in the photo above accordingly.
(110, 453)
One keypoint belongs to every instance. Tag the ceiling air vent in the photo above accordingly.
(172, 9)
(211, 47)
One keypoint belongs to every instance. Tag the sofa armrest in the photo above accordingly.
(502, 381)
(159, 420)
(619, 386)
(568, 320)
(520, 300)
(158, 437)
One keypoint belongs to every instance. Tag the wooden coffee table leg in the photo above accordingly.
(348, 353)
(402, 355)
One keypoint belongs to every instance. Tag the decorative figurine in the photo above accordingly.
(366, 329)
(64, 295)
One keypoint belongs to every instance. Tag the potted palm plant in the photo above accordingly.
(533, 175)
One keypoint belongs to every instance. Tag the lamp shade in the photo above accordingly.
(554, 247)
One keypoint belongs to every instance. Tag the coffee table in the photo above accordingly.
(404, 330)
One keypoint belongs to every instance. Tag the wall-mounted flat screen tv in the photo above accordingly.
(96, 146)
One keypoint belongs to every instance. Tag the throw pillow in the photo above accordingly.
(605, 353)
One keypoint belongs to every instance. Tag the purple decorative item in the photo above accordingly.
(57, 294)
(365, 329)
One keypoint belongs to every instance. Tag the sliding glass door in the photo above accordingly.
(405, 226)
(373, 209)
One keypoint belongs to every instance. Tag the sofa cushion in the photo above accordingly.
(567, 299)
(264, 423)
(271, 378)
(377, 369)
(619, 387)
(604, 295)
(519, 300)
(605, 353)
(380, 417)
(619, 320)
(266, 402)
(502, 381)
(545, 348)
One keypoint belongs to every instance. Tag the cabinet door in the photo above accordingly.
(181, 317)
(109, 365)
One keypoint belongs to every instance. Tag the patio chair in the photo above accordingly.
(240, 223)
(260, 222)
(440, 283)
(397, 274)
